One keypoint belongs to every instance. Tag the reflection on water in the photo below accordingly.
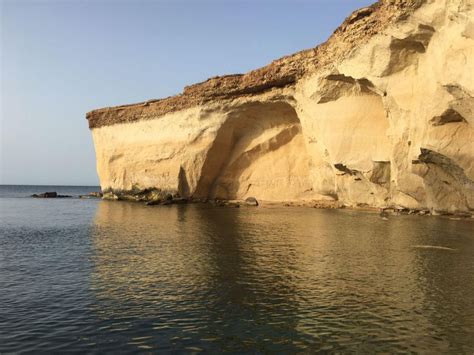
(88, 275)
(279, 279)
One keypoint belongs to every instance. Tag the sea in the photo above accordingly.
(95, 276)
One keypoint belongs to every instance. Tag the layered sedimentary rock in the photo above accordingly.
(380, 115)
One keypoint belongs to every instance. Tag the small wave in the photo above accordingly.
(432, 247)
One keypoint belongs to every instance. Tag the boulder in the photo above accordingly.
(251, 201)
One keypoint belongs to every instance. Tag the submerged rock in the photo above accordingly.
(154, 203)
(93, 194)
(53, 194)
(168, 201)
(380, 115)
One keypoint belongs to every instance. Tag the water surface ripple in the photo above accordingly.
(98, 276)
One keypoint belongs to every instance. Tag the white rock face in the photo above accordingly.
(387, 124)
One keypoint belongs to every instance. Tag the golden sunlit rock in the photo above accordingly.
(380, 115)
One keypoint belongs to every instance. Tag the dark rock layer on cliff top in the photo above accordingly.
(360, 26)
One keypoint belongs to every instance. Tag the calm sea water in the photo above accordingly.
(98, 276)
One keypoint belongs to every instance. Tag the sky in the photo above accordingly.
(62, 58)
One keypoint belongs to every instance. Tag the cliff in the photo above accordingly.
(380, 115)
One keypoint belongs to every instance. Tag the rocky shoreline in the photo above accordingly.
(157, 197)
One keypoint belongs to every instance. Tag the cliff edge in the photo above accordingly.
(379, 115)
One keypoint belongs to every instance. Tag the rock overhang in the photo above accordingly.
(344, 121)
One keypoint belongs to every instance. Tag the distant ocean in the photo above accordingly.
(87, 275)
(28, 190)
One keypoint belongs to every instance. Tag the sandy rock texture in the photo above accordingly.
(380, 115)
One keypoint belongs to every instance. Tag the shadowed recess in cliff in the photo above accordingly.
(447, 182)
(405, 51)
(269, 133)
(335, 86)
(448, 116)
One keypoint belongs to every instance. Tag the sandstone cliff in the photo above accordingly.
(379, 115)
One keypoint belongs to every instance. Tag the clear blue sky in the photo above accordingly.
(60, 59)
